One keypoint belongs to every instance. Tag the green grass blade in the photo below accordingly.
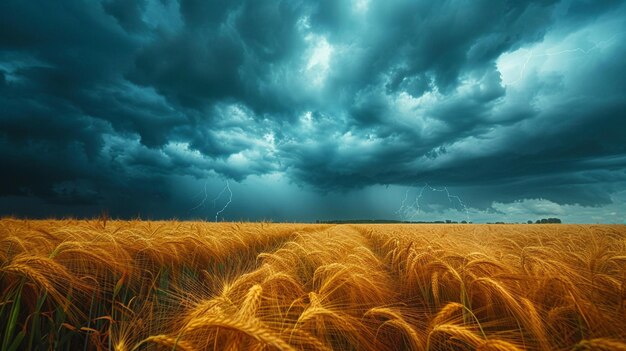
(13, 316)
(17, 341)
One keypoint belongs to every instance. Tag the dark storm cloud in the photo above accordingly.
(105, 102)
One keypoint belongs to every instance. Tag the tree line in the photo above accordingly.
(545, 221)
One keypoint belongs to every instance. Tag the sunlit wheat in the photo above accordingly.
(170, 285)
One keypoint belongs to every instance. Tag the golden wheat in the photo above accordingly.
(134, 285)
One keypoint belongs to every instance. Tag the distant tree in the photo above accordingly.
(547, 220)
(529, 222)
(464, 222)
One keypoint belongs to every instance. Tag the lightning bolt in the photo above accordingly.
(201, 204)
(603, 43)
(457, 198)
(402, 210)
(220, 194)
(410, 211)
(521, 72)
(230, 199)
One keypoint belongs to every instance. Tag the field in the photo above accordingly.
(139, 285)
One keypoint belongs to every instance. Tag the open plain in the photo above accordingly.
(142, 285)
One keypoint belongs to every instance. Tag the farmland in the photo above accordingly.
(148, 285)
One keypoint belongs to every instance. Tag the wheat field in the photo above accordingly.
(170, 285)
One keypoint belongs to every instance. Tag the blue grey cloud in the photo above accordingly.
(112, 104)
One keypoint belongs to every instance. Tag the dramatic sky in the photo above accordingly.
(396, 109)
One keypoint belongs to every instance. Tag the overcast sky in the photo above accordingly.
(424, 110)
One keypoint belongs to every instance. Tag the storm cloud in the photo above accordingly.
(131, 106)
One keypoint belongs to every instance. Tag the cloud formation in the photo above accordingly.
(115, 103)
